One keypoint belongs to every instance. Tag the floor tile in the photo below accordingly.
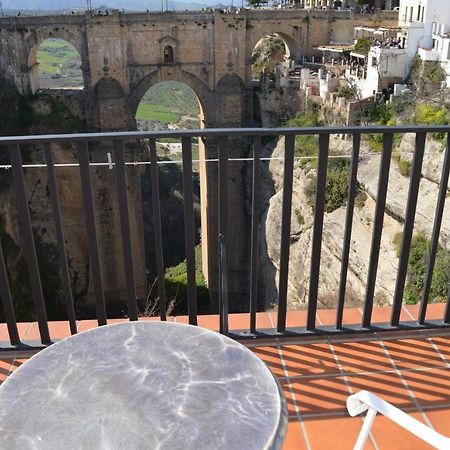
(413, 353)
(312, 359)
(337, 433)
(435, 311)
(271, 357)
(320, 395)
(390, 436)
(210, 322)
(351, 316)
(5, 368)
(381, 314)
(443, 345)
(59, 329)
(430, 387)
(294, 439)
(288, 395)
(84, 325)
(440, 419)
(388, 386)
(362, 357)
(293, 318)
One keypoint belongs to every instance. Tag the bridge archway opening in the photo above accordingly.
(173, 105)
(271, 50)
(55, 64)
(169, 105)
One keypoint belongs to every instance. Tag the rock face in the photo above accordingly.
(333, 229)
(74, 227)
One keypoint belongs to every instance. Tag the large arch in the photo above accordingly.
(174, 73)
(36, 39)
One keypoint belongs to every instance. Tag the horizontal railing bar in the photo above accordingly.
(111, 165)
(379, 331)
(215, 132)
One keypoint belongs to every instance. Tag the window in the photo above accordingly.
(423, 13)
(411, 14)
(168, 55)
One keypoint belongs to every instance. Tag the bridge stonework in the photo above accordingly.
(123, 55)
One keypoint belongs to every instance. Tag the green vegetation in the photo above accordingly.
(170, 102)
(337, 185)
(362, 46)
(426, 114)
(306, 145)
(299, 217)
(267, 54)
(433, 72)
(417, 263)
(158, 113)
(59, 64)
(177, 284)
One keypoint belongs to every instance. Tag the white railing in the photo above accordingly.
(366, 401)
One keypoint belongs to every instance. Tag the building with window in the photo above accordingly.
(425, 25)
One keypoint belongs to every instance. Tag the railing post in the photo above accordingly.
(285, 231)
(254, 238)
(348, 228)
(223, 233)
(383, 179)
(29, 245)
(189, 233)
(324, 140)
(156, 208)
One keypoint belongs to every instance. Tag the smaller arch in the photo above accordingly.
(59, 61)
(169, 55)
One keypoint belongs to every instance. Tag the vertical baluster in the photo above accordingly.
(348, 228)
(435, 236)
(289, 147)
(156, 208)
(254, 238)
(91, 227)
(60, 238)
(324, 140)
(7, 302)
(383, 179)
(119, 159)
(28, 242)
(189, 233)
(223, 233)
(408, 227)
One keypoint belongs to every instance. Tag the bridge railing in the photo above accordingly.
(13, 147)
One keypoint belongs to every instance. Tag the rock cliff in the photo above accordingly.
(334, 222)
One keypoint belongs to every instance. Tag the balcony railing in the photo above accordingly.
(14, 147)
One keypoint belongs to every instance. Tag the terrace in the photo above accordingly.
(320, 356)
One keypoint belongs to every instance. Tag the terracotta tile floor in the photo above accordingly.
(412, 372)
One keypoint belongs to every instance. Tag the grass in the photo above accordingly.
(150, 111)
(59, 59)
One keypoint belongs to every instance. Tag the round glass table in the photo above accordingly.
(135, 385)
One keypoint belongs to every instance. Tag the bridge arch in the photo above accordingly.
(293, 48)
(175, 73)
(34, 42)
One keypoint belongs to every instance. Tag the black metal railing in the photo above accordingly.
(14, 146)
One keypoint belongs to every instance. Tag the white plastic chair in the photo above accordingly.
(366, 401)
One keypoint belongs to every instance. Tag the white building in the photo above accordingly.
(385, 67)
(425, 25)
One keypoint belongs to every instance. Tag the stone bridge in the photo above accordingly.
(123, 55)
